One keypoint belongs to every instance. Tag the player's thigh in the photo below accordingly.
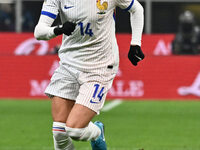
(80, 116)
(61, 108)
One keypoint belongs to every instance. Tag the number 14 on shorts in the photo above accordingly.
(97, 94)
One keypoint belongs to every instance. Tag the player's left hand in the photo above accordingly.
(135, 54)
(67, 28)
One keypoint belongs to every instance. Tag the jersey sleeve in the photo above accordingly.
(50, 8)
(125, 4)
(136, 18)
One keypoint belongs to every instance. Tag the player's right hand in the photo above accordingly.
(67, 28)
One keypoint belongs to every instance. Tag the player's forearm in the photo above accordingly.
(137, 22)
(43, 30)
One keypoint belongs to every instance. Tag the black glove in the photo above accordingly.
(135, 54)
(67, 29)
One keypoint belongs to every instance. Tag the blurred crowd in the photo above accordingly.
(7, 18)
(187, 39)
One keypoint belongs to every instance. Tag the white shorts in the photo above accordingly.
(88, 89)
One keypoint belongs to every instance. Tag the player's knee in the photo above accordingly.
(76, 133)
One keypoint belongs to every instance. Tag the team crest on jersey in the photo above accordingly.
(102, 6)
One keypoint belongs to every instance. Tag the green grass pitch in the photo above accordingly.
(133, 125)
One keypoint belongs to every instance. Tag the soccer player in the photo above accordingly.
(88, 64)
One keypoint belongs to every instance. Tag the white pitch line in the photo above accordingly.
(111, 105)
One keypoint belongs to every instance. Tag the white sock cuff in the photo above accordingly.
(91, 132)
(96, 128)
(74, 133)
(61, 140)
(58, 126)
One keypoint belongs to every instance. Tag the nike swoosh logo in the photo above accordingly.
(91, 101)
(68, 7)
(138, 57)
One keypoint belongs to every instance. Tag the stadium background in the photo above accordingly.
(158, 101)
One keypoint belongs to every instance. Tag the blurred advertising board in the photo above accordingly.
(26, 44)
(157, 77)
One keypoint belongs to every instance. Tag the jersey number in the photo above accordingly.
(88, 31)
(100, 94)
